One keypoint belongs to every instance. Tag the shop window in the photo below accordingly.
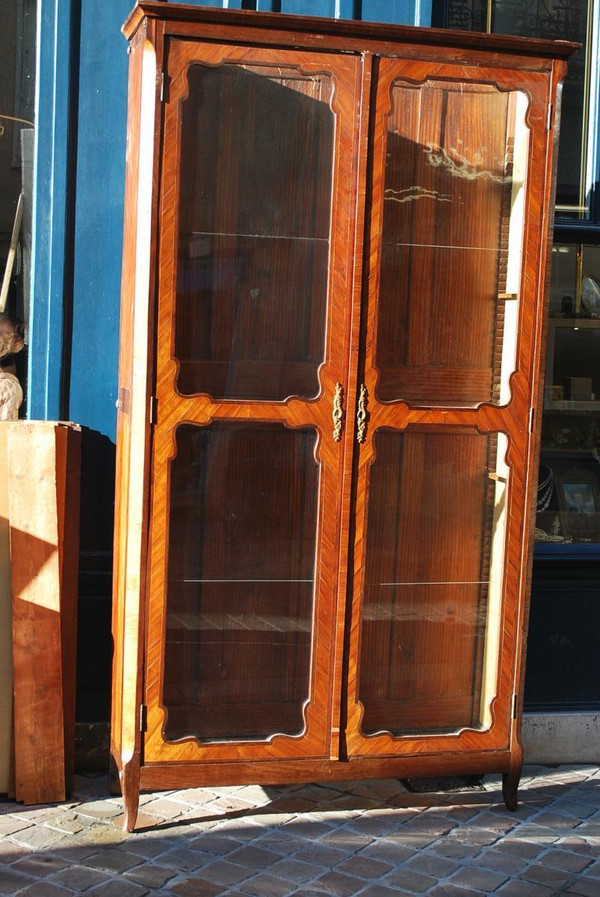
(568, 501)
(575, 20)
(17, 90)
(569, 483)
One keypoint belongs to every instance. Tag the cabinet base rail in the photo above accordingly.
(170, 776)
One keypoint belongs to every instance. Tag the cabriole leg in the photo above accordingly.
(129, 777)
(510, 785)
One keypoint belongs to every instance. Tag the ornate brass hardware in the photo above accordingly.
(361, 414)
(338, 412)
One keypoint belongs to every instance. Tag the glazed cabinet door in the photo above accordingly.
(444, 411)
(258, 188)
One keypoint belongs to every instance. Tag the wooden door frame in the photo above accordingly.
(513, 418)
(200, 409)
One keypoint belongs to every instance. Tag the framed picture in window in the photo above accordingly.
(590, 296)
(579, 506)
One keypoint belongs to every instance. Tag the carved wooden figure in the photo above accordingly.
(336, 246)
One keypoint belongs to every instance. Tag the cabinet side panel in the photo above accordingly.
(545, 265)
(132, 403)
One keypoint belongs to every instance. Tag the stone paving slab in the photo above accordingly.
(357, 839)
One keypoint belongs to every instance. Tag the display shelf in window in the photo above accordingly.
(573, 365)
(569, 464)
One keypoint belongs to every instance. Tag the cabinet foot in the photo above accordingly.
(510, 786)
(130, 788)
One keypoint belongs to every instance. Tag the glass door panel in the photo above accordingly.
(241, 580)
(253, 323)
(443, 408)
(450, 267)
(254, 225)
(436, 523)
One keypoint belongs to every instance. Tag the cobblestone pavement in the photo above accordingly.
(373, 839)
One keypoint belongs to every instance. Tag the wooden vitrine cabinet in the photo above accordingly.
(336, 244)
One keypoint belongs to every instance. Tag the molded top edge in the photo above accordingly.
(368, 31)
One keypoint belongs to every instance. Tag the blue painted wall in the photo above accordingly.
(50, 207)
(82, 78)
(91, 382)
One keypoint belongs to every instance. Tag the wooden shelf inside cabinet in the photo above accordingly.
(319, 552)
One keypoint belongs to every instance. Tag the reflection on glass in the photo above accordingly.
(556, 20)
(552, 20)
(433, 581)
(241, 578)
(563, 283)
(254, 221)
(452, 243)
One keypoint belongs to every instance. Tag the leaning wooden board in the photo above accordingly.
(43, 472)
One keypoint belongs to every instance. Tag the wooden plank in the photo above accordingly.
(68, 480)
(43, 642)
(6, 687)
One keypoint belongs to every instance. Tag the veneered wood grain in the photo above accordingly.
(511, 419)
(165, 776)
(133, 425)
(537, 356)
(176, 409)
(333, 721)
